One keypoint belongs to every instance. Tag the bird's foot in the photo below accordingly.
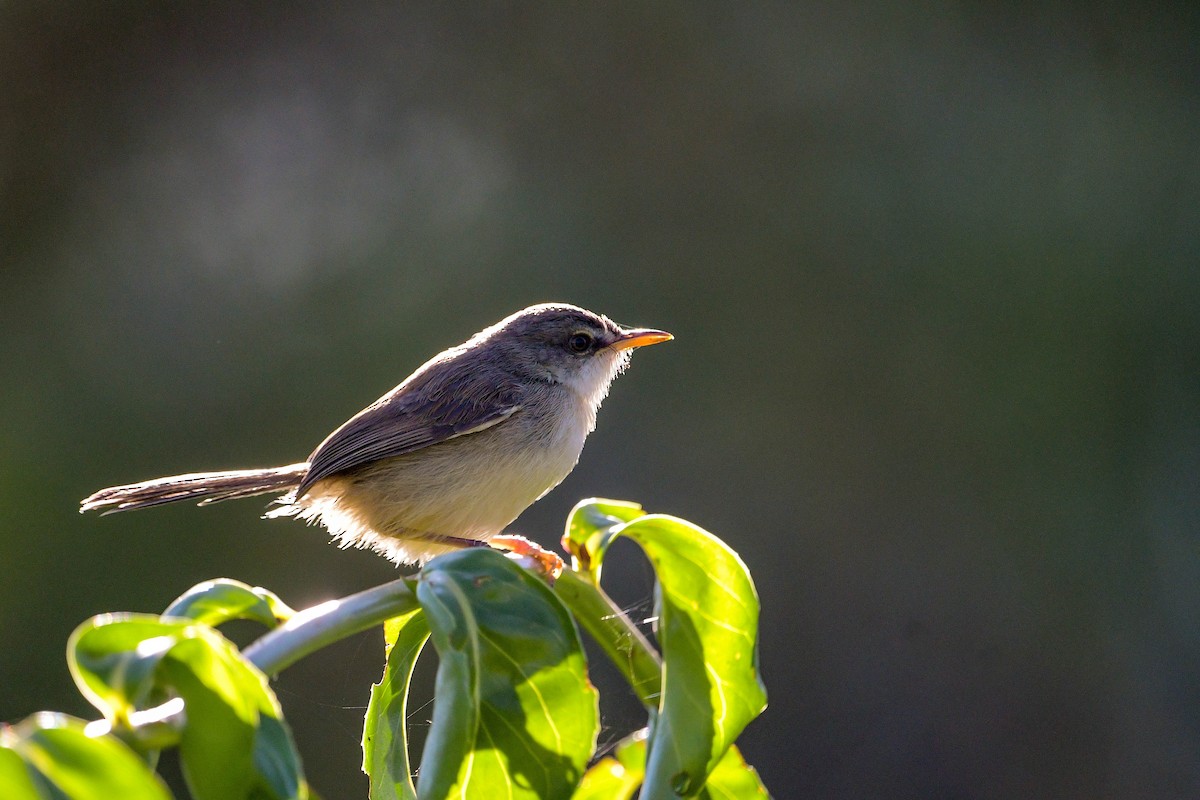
(546, 562)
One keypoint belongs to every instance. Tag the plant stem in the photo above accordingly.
(313, 628)
(614, 631)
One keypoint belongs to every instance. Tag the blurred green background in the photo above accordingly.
(932, 269)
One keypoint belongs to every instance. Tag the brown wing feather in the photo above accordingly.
(430, 407)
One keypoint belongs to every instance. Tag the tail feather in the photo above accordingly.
(202, 487)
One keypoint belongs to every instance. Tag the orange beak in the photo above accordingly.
(640, 337)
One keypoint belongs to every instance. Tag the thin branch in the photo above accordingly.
(324, 624)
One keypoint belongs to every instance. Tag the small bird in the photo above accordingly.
(452, 455)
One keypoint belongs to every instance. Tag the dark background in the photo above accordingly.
(932, 269)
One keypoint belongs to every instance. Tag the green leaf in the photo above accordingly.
(221, 600)
(591, 527)
(708, 627)
(16, 780)
(621, 640)
(235, 743)
(617, 777)
(734, 779)
(113, 658)
(514, 706)
(385, 732)
(50, 756)
(708, 630)
(277, 761)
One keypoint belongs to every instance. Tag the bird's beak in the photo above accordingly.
(639, 337)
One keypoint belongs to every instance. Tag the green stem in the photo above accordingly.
(614, 631)
(324, 624)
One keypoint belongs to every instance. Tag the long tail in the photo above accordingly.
(204, 487)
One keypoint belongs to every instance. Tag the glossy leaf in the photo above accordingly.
(591, 527)
(50, 756)
(221, 600)
(113, 659)
(235, 743)
(618, 777)
(621, 640)
(734, 779)
(708, 631)
(16, 779)
(385, 733)
(277, 762)
(514, 707)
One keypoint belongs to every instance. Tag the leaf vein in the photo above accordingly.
(558, 739)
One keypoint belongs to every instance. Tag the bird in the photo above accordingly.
(449, 457)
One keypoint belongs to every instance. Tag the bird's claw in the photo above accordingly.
(544, 561)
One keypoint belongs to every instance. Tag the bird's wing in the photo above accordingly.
(418, 413)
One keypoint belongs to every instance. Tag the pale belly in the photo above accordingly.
(465, 488)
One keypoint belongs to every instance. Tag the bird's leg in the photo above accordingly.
(453, 541)
(551, 565)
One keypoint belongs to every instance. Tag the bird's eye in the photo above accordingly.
(580, 343)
